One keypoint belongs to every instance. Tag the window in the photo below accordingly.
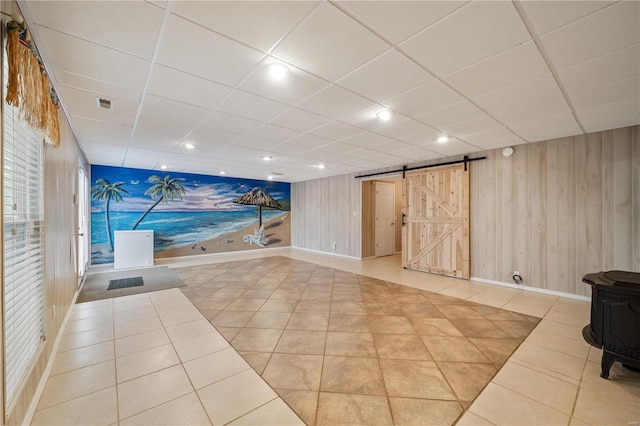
(23, 226)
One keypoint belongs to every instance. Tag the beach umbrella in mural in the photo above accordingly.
(258, 197)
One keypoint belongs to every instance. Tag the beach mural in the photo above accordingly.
(189, 214)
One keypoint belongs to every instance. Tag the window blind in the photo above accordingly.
(23, 227)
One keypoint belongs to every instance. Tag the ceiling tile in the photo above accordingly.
(391, 147)
(144, 138)
(422, 139)
(472, 33)
(463, 111)
(336, 130)
(255, 142)
(367, 118)
(403, 128)
(415, 153)
(196, 50)
(612, 28)
(274, 133)
(534, 111)
(513, 97)
(549, 15)
(108, 90)
(337, 148)
(387, 159)
(230, 123)
(251, 106)
(330, 53)
(397, 20)
(611, 116)
(87, 59)
(453, 147)
(366, 140)
(95, 21)
(428, 97)
(334, 102)
(385, 76)
(89, 130)
(496, 138)
(610, 93)
(297, 86)
(257, 23)
(170, 117)
(308, 141)
(510, 67)
(189, 89)
(99, 116)
(209, 136)
(476, 125)
(618, 65)
(557, 126)
(300, 120)
(87, 101)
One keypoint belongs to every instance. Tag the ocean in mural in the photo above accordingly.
(189, 214)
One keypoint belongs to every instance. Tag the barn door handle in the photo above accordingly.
(403, 215)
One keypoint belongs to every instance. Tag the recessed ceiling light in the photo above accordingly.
(189, 145)
(320, 166)
(278, 71)
(270, 177)
(443, 139)
(163, 167)
(385, 115)
(267, 158)
(222, 172)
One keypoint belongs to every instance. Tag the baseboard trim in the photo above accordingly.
(533, 289)
(326, 252)
(31, 411)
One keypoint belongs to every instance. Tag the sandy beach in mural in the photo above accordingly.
(277, 232)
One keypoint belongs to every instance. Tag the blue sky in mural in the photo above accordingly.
(202, 192)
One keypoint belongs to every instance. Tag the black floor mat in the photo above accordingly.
(125, 282)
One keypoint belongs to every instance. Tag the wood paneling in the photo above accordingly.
(554, 211)
(368, 219)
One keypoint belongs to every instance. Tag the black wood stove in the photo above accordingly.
(615, 318)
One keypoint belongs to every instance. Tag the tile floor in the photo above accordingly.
(334, 343)
(147, 366)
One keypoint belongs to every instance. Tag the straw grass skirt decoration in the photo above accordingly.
(28, 88)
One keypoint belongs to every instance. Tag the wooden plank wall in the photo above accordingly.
(60, 182)
(553, 211)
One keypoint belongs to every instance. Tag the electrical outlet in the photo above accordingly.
(333, 246)
(516, 272)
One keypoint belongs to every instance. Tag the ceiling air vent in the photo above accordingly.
(104, 103)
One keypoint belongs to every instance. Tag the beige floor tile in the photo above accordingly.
(434, 327)
(497, 351)
(92, 305)
(415, 379)
(480, 328)
(73, 384)
(304, 321)
(350, 344)
(185, 411)
(467, 379)
(99, 407)
(166, 296)
(246, 304)
(342, 409)
(390, 324)
(269, 320)
(136, 327)
(492, 405)
(229, 333)
(257, 360)
(143, 393)
(465, 290)
(235, 396)
(135, 314)
(85, 338)
(78, 314)
(256, 339)
(354, 323)
(174, 313)
(231, 319)
(302, 342)
(495, 296)
(313, 307)
(420, 310)
(296, 372)
(515, 329)
(279, 305)
(145, 362)
(189, 329)
(400, 346)
(411, 412)
(132, 304)
(141, 342)
(548, 326)
(540, 387)
(580, 318)
(471, 419)
(621, 380)
(82, 357)
(273, 413)
(215, 367)
(304, 403)
(557, 361)
(197, 346)
(599, 408)
(352, 375)
(452, 349)
(88, 323)
(575, 347)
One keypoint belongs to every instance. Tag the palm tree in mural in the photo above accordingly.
(106, 191)
(164, 189)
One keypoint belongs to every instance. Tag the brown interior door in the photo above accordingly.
(435, 235)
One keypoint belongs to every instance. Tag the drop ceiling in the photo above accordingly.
(487, 74)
